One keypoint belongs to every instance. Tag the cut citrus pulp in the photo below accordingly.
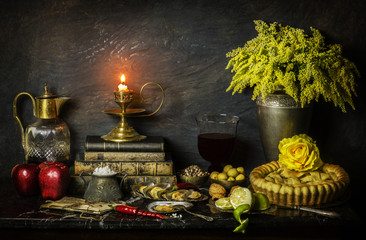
(224, 203)
(240, 196)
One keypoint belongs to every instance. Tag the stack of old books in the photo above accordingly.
(145, 160)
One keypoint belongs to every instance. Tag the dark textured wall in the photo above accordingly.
(81, 47)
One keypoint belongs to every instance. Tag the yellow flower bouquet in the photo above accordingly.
(283, 57)
(299, 153)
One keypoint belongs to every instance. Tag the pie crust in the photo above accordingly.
(290, 188)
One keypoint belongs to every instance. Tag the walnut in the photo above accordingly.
(216, 191)
(217, 196)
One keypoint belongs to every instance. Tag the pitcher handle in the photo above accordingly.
(15, 113)
(123, 179)
(82, 178)
(161, 102)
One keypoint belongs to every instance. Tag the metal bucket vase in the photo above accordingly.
(280, 116)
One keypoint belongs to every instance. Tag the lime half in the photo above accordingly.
(224, 203)
(240, 196)
(260, 202)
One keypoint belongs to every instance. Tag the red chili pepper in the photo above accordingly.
(149, 214)
(185, 186)
(134, 210)
(126, 209)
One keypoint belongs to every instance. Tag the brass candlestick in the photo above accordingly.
(123, 132)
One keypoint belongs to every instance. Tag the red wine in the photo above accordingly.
(215, 147)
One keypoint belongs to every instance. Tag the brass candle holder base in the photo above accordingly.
(123, 132)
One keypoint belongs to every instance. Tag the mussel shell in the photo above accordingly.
(151, 206)
(137, 189)
(178, 195)
(194, 195)
(148, 190)
(162, 194)
(153, 191)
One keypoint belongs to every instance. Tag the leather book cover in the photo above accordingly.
(124, 156)
(150, 144)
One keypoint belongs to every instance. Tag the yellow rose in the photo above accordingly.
(299, 153)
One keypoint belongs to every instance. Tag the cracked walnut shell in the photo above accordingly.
(216, 191)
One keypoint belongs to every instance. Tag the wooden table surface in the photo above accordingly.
(21, 217)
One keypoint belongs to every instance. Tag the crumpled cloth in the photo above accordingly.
(80, 205)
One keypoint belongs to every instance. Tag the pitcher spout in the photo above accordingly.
(60, 101)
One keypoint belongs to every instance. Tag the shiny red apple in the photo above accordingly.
(53, 178)
(25, 179)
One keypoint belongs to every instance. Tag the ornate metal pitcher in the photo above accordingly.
(47, 139)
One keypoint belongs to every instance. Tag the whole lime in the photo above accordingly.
(214, 174)
(240, 170)
(227, 167)
(222, 176)
(231, 179)
(232, 172)
(260, 202)
(240, 177)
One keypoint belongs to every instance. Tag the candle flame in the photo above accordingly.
(122, 85)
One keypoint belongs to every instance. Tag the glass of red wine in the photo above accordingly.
(216, 138)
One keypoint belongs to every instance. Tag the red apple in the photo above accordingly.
(54, 178)
(25, 179)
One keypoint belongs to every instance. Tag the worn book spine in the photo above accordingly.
(150, 144)
(132, 180)
(131, 168)
(124, 156)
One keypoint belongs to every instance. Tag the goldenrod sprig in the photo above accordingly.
(304, 66)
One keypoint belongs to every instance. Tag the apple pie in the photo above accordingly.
(292, 188)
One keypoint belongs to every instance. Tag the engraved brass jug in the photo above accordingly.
(103, 188)
(47, 139)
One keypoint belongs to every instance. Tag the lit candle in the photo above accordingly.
(122, 87)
